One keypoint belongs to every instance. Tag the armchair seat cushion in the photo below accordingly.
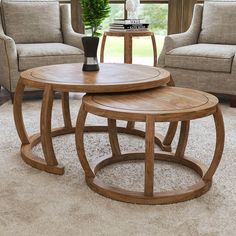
(202, 57)
(34, 55)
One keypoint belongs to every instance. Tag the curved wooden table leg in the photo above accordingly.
(154, 49)
(163, 142)
(130, 125)
(28, 143)
(51, 164)
(128, 45)
(132, 131)
(45, 126)
(114, 142)
(172, 126)
(103, 48)
(79, 139)
(66, 109)
(148, 196)
(170, 134)
(219, 147)
(183, 139)
(37, 162)
(17, 109)
(149, 153)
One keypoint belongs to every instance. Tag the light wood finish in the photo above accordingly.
(183, 139)
(149, 160)
(112, 130)
(170, 133)
(18, 117)
(81, 152)
(110, 78)
(66, 109)
(128, 44)
(220, 137)
(130, 125)
(70, 78)
(171, 104)
(163, 104)
(45, 126)
(37, 162)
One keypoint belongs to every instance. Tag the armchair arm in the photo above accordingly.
(183, 39)
(8, 62)
(70, 36)
(234, 66)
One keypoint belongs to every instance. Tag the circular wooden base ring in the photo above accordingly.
(136, 132)
(167, 197)
(39, 163)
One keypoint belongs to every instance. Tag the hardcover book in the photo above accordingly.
(129, 21)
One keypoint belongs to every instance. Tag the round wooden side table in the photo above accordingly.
(65, 78)
(163, 104)
(128, 35)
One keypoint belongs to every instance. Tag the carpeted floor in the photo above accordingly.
(37, 203)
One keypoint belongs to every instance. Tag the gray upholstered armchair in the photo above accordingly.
(204, 56)
(35, 33)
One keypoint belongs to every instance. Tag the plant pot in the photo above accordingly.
(90, 45)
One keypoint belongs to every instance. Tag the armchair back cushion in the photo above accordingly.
(218, 22)
(32, 21)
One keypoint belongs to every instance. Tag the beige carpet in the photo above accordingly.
(37, 203)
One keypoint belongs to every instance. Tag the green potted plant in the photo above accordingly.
(93, 14)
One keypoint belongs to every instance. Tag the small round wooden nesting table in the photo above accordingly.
(65, 78)
(163, 104)
(128, 43)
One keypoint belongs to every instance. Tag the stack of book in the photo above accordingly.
(129, 25)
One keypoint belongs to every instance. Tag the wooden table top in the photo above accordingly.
(164, 103)
(110, 78)
(130, 33)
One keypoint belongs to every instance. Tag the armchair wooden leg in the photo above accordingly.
(232, 100)
(12, 97)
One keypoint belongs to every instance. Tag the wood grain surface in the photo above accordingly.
(110, 78)
(70, 78)
(159, 104)
(165, 103)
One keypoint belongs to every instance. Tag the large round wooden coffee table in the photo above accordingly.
(163, 104)
(65, 78)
